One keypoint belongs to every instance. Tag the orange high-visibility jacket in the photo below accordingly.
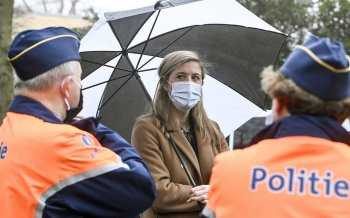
(297, 176)
(50, 169)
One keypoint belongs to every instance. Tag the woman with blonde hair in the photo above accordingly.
(177, 139)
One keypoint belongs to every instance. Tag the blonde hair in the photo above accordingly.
(162, 102)
(299, 101)
(44, 81)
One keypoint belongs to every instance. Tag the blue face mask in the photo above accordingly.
(185, 95)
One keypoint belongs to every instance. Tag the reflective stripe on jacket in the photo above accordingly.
(51, 169)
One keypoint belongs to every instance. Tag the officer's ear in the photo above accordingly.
(279, 107)
(66, 86)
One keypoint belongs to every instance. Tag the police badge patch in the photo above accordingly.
(86, 140)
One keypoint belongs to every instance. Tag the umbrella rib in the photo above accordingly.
(106, 65)
(138, 78)
(106, 81)
(115, 34)
(148, 37)
(118, 39)
(139, 29)
(147, 70)
(175, 40)
(115, 92)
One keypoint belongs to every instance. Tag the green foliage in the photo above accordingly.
(329, 18)
(91, 15)
(288, 16)
(295, 18)
(333, 20)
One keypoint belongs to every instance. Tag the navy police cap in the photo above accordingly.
(321, 67)
(34, 52)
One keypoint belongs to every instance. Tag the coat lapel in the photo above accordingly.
(187, 150)
(205, 156)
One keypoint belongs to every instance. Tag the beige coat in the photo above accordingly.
(172, 184)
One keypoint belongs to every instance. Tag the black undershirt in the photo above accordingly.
(190, 136)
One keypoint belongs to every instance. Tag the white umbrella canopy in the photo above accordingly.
(121, 53)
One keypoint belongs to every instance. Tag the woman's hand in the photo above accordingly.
(200, 194)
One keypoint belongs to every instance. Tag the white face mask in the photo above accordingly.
(269, 118)
(185, 95)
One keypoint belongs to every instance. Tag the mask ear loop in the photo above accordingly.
(65, 99)
(67, 104)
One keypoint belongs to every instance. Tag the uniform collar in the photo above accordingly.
(25, 105)
(305, 125)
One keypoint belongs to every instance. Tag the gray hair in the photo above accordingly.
(46, 80)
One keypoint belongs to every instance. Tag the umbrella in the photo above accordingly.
(121, 52)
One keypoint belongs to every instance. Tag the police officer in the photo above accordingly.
(52, 169)
(299, 165)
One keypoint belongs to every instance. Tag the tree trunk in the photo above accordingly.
(73, 10)
(29, 9)
(60, 10)
(44, 5)
(6, 79)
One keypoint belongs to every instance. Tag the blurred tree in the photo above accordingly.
(51, 6)
(27, 7)
(288, 16)
(291, 17)
(60, 10)
(88, 14)
(329, 18)
(44, 5)
(333, 20)
(73, 10)
(6, 79)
